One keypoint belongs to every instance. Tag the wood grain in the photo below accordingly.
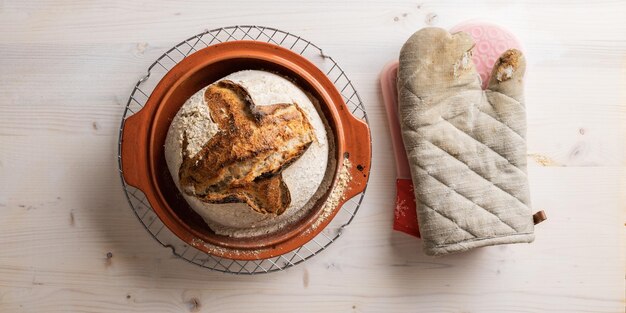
(70, 243)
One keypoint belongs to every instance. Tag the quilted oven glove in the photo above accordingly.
(466, 147)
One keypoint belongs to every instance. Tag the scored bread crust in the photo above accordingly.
(243, 161)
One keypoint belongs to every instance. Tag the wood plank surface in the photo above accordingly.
(68, 66)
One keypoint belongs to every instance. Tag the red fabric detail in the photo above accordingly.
(405, 214)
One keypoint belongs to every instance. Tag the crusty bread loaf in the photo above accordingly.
(244, 160)
(249, 187)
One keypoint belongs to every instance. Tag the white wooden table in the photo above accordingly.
(67, 68)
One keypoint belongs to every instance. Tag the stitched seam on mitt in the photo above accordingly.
(481, 176)
(482, 144)
(420, 99)
(475, 105)
(479, 239)
(492, 92)
(450, 219)
(466, 198)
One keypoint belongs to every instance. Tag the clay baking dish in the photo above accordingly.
(143, 160)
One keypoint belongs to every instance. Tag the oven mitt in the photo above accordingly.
(466, 146)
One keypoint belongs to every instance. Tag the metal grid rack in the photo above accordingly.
(141, 207)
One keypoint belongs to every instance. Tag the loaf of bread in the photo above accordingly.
(247, 150)
(243, 162)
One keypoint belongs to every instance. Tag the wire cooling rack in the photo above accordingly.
(138, 97)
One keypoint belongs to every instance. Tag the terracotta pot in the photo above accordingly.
(143, 160)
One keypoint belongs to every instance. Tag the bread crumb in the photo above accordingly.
(219, 251)
(543, 160)
(336, 195)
